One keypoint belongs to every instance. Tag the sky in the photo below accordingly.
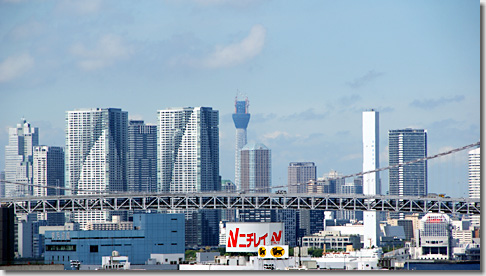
(309, 69)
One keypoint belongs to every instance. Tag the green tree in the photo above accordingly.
(190, 255)
(315, 252)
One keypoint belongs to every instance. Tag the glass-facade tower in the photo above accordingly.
(407, 145)
(142, 157)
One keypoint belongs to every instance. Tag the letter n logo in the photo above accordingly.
(233, 238)
(276, 238)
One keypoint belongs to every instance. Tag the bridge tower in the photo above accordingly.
(371, 181)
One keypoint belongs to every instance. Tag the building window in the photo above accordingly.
(93, 248)
(60, 247)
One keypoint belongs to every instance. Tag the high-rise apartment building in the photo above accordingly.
(96, 155)
(48, 178)
(475, 173)
(475, 180)
(241, 117)
(256, 177)
(188, 150)
(406, 145)
(142, 157)
(19, 157)
(299, 173)
(256, 168)
(371, 181)
(188, 161)
(48, 170)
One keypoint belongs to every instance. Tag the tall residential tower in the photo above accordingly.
(241, 117)
(299, 173)
(188, 150)
(48, 168)
(256, 177)
(475, 179)
(406, 145)
(188, 162)
(96, 155)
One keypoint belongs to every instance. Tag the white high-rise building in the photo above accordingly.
(371, 152)
(475, 179)
(96, 155)
(188, 150)
(371, 181)
(18, 158)
(48, 167)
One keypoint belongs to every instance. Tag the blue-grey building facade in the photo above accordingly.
(152, 233)
(142, 157)
(407, 145)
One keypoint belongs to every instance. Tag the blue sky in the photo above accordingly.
(309, 69)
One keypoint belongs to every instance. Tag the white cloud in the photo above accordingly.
(15, 66)
(79, 7)
(239, 3)
(237, 53)
(27, 30)
(107, 51)
(276, 134)
(352, 156)
(137, 117)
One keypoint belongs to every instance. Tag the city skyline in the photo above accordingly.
(308, 77)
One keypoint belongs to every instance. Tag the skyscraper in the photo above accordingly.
(19, 158)
(256, 177)
(475, 173)
(298, 176)
(142, 157)
(48, 170)
(371, 181)
(188, 161)
(299, 173)
(256, 168)
(96, 155)
(406, 145)
(475, 179)
(241, 117)
(188, 150)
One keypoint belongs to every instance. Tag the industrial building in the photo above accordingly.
(152, 233)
